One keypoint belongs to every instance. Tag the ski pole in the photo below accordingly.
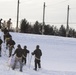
(30, 61)
(28, 57)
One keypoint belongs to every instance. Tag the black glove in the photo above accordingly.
(32, 53)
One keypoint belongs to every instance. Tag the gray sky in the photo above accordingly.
(32, 10)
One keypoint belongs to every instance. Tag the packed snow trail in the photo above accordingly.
(59, 55)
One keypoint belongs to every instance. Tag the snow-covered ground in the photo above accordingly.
(59, 55)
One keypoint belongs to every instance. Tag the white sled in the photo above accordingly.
(11, 62)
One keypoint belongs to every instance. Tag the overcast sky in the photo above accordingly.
(32, 10)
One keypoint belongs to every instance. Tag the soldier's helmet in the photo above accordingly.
(25, 47)
(18, 45)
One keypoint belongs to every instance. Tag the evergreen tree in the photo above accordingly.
(55, 31)
(71, 32)
(24, 26)
(62, 31)
(51, 30)
(47, 30)
(37, 28)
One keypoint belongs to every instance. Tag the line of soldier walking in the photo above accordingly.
(5, 24)
(20, 54)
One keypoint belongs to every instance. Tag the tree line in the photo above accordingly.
(36, 28)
